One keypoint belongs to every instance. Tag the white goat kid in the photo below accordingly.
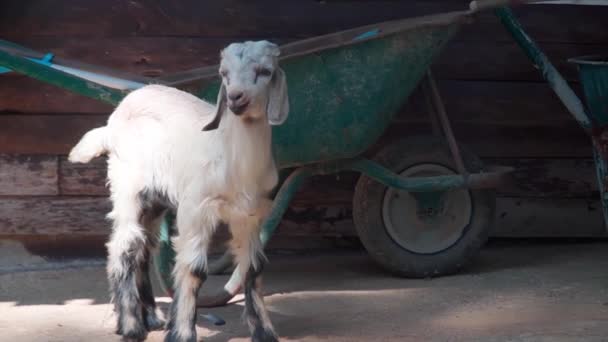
(160, 160)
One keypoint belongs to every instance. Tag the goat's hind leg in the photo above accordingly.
(151, 218)
(126, 255)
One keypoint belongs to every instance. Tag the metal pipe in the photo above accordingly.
(59, 78)
(281, 201)
(549, 72)
(431, 110)
(445, 125)
(427, 184)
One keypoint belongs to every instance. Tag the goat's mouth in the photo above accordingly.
(239, 109)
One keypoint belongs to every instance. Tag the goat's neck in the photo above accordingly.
(248, 152)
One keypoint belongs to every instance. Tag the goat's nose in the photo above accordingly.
(235, 96)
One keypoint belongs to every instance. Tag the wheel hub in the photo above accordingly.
(426, 222)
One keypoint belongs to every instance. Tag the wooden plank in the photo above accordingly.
(497, 141)
(54, 216)
(550, 178)
(20, 94)
(518, 217)
(492, 103)
(545, 24)
(28, 175)
(235, 18)
(83, 179)
(505, 61)
(146, 56)
(44, 134)
(277, 18)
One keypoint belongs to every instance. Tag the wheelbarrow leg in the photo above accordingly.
(601, 168)
(440, 117)
(279, 206)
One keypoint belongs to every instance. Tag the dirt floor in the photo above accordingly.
(515, 291)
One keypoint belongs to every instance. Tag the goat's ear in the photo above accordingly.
(220, 108)
(278, 100)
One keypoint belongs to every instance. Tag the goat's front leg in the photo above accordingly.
(195, 230)
(249, 255)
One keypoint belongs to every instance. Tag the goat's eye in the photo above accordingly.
(263, 72)
(224, 73)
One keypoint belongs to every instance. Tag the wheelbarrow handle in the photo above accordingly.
(481, 5)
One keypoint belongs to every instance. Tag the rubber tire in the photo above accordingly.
(367, 212)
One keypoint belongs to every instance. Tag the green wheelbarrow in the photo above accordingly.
(423, 206)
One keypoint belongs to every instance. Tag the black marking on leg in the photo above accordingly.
(125, 295)
(144, 285)
(259, 333)
(200, 272)
(171, 336)
(154, 202)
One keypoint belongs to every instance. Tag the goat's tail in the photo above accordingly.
(93, 144)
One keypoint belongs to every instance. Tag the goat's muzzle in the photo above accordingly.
(237, 102)
(238, 108)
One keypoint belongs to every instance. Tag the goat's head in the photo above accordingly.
(253, 85)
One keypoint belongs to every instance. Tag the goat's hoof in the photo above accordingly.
(263, 335)
(130, 339)
(153, 322)
(134, 336)
(173, 336)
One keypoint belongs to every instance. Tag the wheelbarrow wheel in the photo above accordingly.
(422, 235)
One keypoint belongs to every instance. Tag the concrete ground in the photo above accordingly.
(515, 291)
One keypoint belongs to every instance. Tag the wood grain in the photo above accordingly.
(289, 18)
(278, 18)
(28, 175)
(83, 179)
(526, 217)
(44, 134)
(23, 95)
(54, 216)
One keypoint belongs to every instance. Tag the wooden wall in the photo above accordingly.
(495, 97)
